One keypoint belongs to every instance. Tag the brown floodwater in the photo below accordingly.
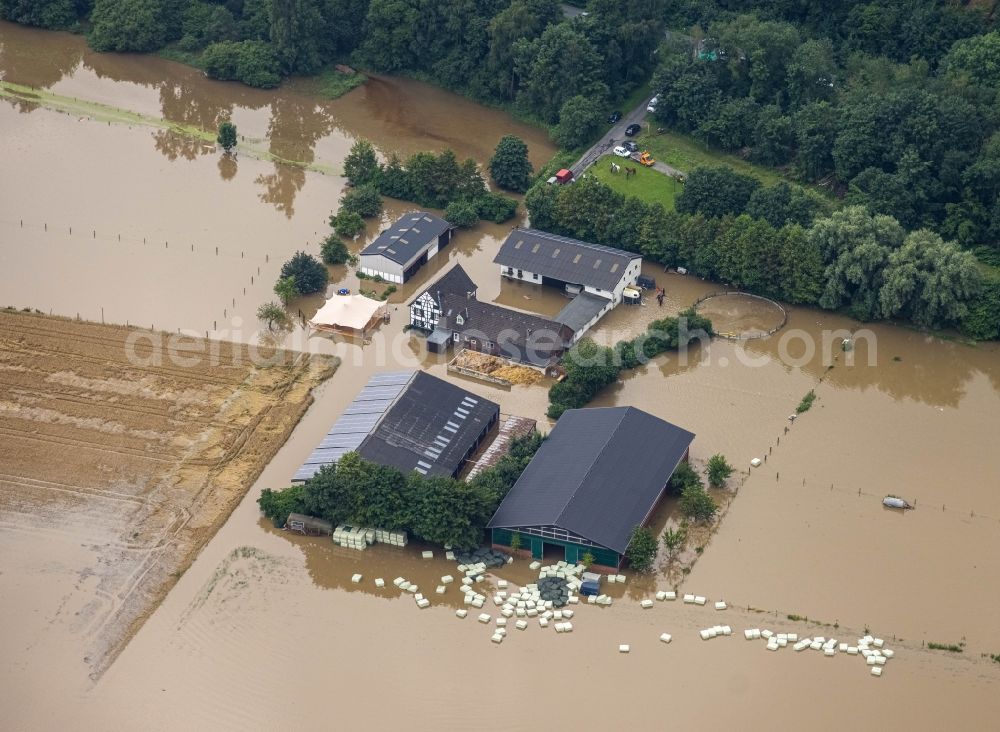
(266, 630)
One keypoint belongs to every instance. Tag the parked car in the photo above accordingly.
(614, 117)
(622, 151)
(652, 104)
(630, 146)
(633, 130)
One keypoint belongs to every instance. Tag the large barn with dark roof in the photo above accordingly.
(408, 420)
(598, 475)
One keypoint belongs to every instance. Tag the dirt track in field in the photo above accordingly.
(122, 466)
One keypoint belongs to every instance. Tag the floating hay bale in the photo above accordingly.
(666, 637)
(792, 637)
(521, 624)
(661, 595)
(380, 582)
(670, 595)
(427, 554)
(502, 584)
(612, 579)
(447, 579)
(567, 614)
(646, 604)
(801, 645)
(484, 618)
(423, 602)
(534, 565)
(461, 613)
(450, 556)
(624, 648)
(888, 653)
(398, 581)
(756, 462)
(544, 622)
(497, 638)
(501, 622)
(766, 634)
(707, 633)
(412, 588)
(829, 651)
(877, 642)
(852, 650)
(748, 633)
(720, 605)
(699, 600)
(440, 589)
(689, 599)
(877, 671)
(355, 578)
(620, 579)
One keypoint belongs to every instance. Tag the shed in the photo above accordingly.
(308, 525)
(598, 475)
(399, 251)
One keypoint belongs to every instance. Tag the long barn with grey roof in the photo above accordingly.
(598, 475)
(408, 420)
(578, 267)
(399, 251)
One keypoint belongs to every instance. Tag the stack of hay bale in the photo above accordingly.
(352, 537)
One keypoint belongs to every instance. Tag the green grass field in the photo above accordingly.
(685, 153)
(647, 184)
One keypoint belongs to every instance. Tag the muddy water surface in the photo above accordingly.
(267, 631)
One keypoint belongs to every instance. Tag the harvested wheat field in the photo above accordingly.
(121, 453)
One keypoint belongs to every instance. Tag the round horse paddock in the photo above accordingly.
(742, 316)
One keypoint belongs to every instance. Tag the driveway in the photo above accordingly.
(615, 136)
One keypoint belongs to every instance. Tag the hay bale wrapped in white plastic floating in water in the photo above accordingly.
(497, 637)
(423, 602)
(399, 581)
(355, 578)
(461, 613)
(829, 651)
(501, 622)
(852, 650)
(440, 589)
(661, 595)
(670, 595)
(534, 565)
(888, 653)
(792, 637)
(612, 579)
(624, 648)
(748, 633)
(801, 645)
(567, 614)
(450, 556)
(620, 579)
(484, 618)
(380, 582)
(689, 599)
(502, 584)
(699, 600)
(720, 605)
(756, 462)
(521, 624)
(876, 671)
(447, 579)
(427, 554)
(544, 622)
(666, 637)
(877, 642)
(646, 604)
(707, 633)
(768, 634)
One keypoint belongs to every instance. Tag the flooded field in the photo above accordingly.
(266, 630)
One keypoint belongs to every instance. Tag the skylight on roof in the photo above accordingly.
(614, 267)
(416, 230)
(519, 243)
(534, 249)
(597, 263)
(576, 259)
(555, 253)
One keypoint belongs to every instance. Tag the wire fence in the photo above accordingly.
(749, 335)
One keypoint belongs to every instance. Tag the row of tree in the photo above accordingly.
(590, 367)
(435, 181)
(440, 510)
(864, 264)
(919, 141)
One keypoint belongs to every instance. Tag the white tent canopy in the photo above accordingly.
(353, 312)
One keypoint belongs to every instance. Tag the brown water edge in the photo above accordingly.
(115, 473)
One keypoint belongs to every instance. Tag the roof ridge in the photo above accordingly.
(594, 461)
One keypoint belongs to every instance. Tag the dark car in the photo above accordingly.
(630, 146)
(633, 130)
(614, 117)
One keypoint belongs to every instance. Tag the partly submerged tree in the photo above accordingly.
(227, 137)
(361, 165)
(696, 504)
(673, 539)
(641, 551)
(286, 289)
(272, 313)
(333, 250)
(718, 471)
(509, 166)
(308, 273)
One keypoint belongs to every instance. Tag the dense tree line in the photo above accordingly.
(864, 264)
(434, 181)
(441, 510)
(866, 98)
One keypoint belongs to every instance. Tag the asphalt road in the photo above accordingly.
(615, 136)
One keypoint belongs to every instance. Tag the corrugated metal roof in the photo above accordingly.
(405, 239)
(564, 259)
(597, 475)
(581, 310)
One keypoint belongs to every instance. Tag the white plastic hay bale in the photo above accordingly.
(532, 612)
(612, 579)
(484, 618)
(478, 602)
(647, 603)
(501, 622)
(467, 581)
(567, 627)
(720, 605)
(558, 627)
(507, 612)
(440, 589)
(772, 645)
(418, 597)
(869, 639)
(447, 579)
(521, 612)
(782, 637)
(689, 599)
(450, 556)
(544, 622)
(355, 578)
(423, 602)
(380, 582)
(707, 633)
(816, 645)
(497, 638)
(502, 584)
(829, 651)
(461, 613)
(670, 595)
(534, 565)
(568, 614)
(666, 637)
(548, 604)
(800, 646)
(768, 634)
(871, 660)
(792, 637)
(620, 579)
(878, 642)
(412, 589)
(756, 462)
(624, 648)
(876, 671)
(866, 652)
(521, 624)
(756, 634)
(699, 600)
(557, 614)
(748, 633)
(661, 595)
(852, 650)
(842, 647)
(888, 653)
(592, 599)
(880, 660)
